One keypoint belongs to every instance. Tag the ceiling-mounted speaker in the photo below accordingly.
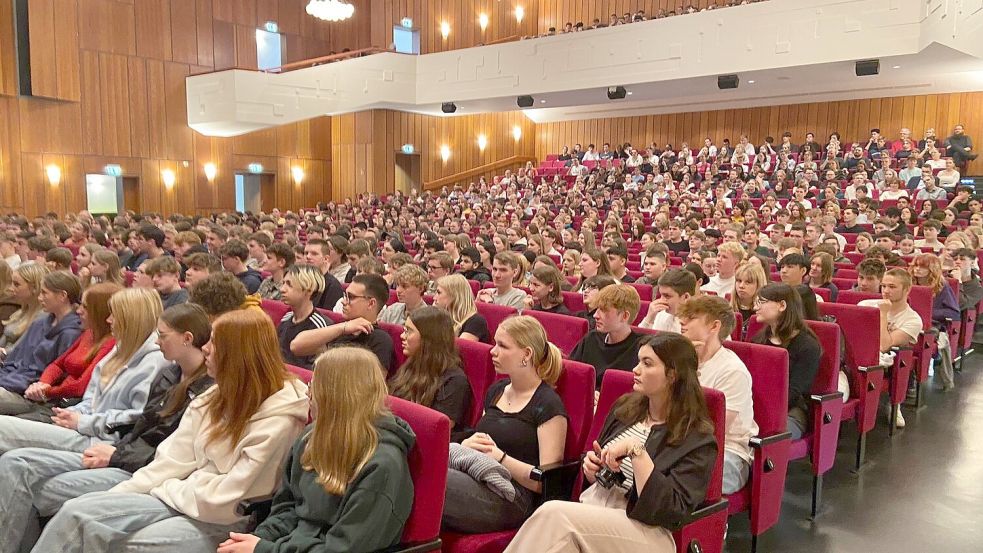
(524, 101)
(448, 107)
(616, 92)
(865, 68)
(727, 81)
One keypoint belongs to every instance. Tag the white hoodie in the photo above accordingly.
(207, 482)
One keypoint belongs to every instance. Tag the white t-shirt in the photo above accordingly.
(720, 286)
(664, 322)
(727, 373)
(906, 321)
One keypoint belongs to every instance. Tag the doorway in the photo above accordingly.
(255, 192)
(409, 172)
(130, 187)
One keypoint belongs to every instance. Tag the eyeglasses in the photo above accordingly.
(352, 297)
(434, 267)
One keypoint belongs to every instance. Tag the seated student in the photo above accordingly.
(234, 254)
(612, 344)
(47, 338)
(617, 258)
(707, 321)
(505, 269)
(821, 274)
(793, 269)
(65, 379)
(750, 278)
(199, 266)
(454, 296)
(258, 243)
(59, 259)
(221, 453)
(660, 438)
(363, 300)
(593, 262)
(653, 267)
(316, 252)
(546, 291)
(931, 230)
(675, 287)
(279, 259)
(411, 281)
(25, 290)
(117, 390)
(36, 482)
(301, 283)
(432, 374)
(150, 241)
(524, 427)
(104, 267)
(165, 272)
(338, 257)
(926, 270)
(352, 498)
(780, 310)
(219, 293)
(439, 265)
(592, 286)
(729, 256)
(471, 267)
(869, 275)
(970, 289)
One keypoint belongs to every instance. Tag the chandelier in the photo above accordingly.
(330, 10)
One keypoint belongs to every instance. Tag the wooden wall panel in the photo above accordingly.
(53, 28)
(109, 26)
(153, 27)
(557, 13)
(8, 61)
(853, 119)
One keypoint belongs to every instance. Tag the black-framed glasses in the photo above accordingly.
(352, 297)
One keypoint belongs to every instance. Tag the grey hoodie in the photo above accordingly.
(120, 403)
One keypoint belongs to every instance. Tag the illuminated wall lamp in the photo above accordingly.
(298, 174)
(210, 171)
(54, 174)
(482, 142)
(483, 21)
(445, 153)
(168, 177)
(520, 14)
(445, 29)
(517, 132)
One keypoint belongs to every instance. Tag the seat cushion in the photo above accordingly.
(494, 542)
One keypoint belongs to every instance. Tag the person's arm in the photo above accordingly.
(75, 387)
(803, 364)
(552, 436)
(454, 400)
(55, 372)
(310, 342)
(666, 499)
(175, 458)
(890, 338)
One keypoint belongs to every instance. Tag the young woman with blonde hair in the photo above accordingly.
(454, 296)
(8, 305)
(25, 290)
(347, 484)
(229, 439)
(524, 426)
(104, 267)
(748, 280)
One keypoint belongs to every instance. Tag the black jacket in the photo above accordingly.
(480, 275)
(679, 482)
(139, 445)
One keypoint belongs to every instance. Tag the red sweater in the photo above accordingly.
(69, 374)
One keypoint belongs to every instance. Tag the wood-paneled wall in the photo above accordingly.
(556, 13)
(365, 145)
(853, 119)
(462, 16)
(117, 70)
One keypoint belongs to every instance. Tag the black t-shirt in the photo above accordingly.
(559, 309)
(477, 326)
(592, 350)
(378, 342)
(288, 330)
(627, 278)
(677, 247)
(589, 315)
(804, 352)
(454, 399)
(331, 294)
(855, 229)
(516, 433)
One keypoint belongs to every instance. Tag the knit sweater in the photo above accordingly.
(69, 375)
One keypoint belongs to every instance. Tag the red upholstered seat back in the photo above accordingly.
(853, 297)
(275, 309)
(494, 315)
(476, 358)
(576, 389)
(565, 331)
(829, 364)
(769, 384)
(574, 301)
(303, 374)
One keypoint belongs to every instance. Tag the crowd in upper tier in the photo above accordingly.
(144, 394)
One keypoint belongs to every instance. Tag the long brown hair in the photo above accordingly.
(419, 379)
(792, 320)
(96, 302)
(186, 317)
(687, 410)
(349, 381)
(248, 370)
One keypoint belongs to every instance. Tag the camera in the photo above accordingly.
(607, 478)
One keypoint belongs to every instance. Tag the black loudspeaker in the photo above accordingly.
(448, 107)
(616, 92)
(524, 101)
(727, 81)
(868, 67)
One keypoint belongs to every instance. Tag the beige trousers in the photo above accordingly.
(564, 526)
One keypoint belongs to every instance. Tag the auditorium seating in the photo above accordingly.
(565, 331)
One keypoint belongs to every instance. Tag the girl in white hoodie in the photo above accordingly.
(229, 446)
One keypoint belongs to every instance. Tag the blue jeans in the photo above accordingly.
(16, 433)
(736, 472)
(35, 483)
(126, 523)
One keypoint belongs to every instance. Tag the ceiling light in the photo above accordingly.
(750, 82)
(542, 101)
(897, 67)
(330, 10)
(630, 93)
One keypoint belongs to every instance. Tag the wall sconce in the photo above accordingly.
(54, 174)
(482, 142)
(168, 177)
(483, 21)
(210, 171)
(445, 29)
(298, 174)
(445, 152)
(520, 13)
(517, 132)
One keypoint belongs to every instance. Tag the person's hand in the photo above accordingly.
(592, 462)
(884, 306)
(483, 443)
(612, 454)
(83, 272)
(357, 326)
(657, 306)
(528, 302)
(37, 391)
(238, 543)
(484, 295)
(66, 418)
(98, 456)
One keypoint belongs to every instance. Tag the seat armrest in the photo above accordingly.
(558, 479)
(413, 547)
(827, 411)
(767, 481)
(707, 510)
(258, 507)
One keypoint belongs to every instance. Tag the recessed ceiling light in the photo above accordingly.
(750, 82)
(542, 101)
(630, 93)
(897, 67)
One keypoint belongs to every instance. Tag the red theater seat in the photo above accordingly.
(565, 331)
